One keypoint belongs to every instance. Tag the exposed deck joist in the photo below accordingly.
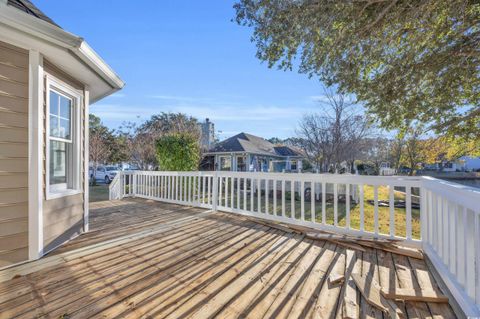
(219, 265)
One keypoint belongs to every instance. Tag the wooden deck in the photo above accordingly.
(168, 261)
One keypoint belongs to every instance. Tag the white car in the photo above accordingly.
(106, 173)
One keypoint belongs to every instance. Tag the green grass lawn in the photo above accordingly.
(369, 225)
(98, 193)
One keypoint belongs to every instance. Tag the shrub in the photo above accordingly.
(178, 152)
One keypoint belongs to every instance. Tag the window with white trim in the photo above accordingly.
(63, 140)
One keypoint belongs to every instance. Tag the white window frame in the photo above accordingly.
(229, 157)
(59, 87)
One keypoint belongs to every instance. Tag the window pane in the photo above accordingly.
(54, 103)
(225, 163)
(65, 106)
(60, 116)
(64, 129)
(54, 126)
(58, 162)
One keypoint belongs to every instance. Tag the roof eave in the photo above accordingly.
(57, 36)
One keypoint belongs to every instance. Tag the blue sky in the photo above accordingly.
(186, 56)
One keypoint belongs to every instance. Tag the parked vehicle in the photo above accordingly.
(106, 173)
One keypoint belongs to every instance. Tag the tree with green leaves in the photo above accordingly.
(105, 144)
(404, 60)
(178, 152)
(141, 138)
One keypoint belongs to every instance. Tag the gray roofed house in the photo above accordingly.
(247, 152)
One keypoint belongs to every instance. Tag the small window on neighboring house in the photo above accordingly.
(293, 165)
(63, 146)
(241, 163)
(225, 163)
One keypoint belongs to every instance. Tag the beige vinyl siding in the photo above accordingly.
(13, 155)
(63, 217)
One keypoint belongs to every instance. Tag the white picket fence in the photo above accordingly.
(441, 218)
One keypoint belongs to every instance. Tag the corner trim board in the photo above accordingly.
(35, 158)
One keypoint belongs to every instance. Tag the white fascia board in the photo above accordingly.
(52, 34)
(89, 56)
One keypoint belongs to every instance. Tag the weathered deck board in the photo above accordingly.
(220, 265)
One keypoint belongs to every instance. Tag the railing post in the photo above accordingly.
(423, 214)
(121, 183)
(134, 184)
(215, 191)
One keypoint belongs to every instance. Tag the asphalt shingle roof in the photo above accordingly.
(249, 143)
(29, 8)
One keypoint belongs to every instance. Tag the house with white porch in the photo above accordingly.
(249, 153)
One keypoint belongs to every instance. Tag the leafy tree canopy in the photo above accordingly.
(405, 60)
(105, 144)
(169, 123)
(178, 152)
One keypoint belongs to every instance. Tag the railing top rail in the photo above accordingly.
(462, 194)
(307, 177)
(169, 173)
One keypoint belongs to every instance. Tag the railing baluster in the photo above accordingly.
(292, 199)
(347, 205)
(245, 180)
(391, 205)
(168, 187)
(226, 190)
(266, 196)
(209, 190)
(452, 222)
(165, 187)
(470, 231)
(259, 197)
(177, 188)
(221, 189)
(182, 188)
(302, 200)
(446, 235)
(283, 197)
(252, 198)
(274, 209)
(238, 192)
(232, 180)
(324, 203)
(375, 209)
(204, 185)
(463, 249)
(191, 189)
(215, 192)
(335, 204)
(362, 208)
(408, 203)
(312, 202)
(439, 238)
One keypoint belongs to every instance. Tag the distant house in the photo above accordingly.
(470, 163)
(249, 153)
(464, 163)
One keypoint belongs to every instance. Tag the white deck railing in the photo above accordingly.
(440, 217)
